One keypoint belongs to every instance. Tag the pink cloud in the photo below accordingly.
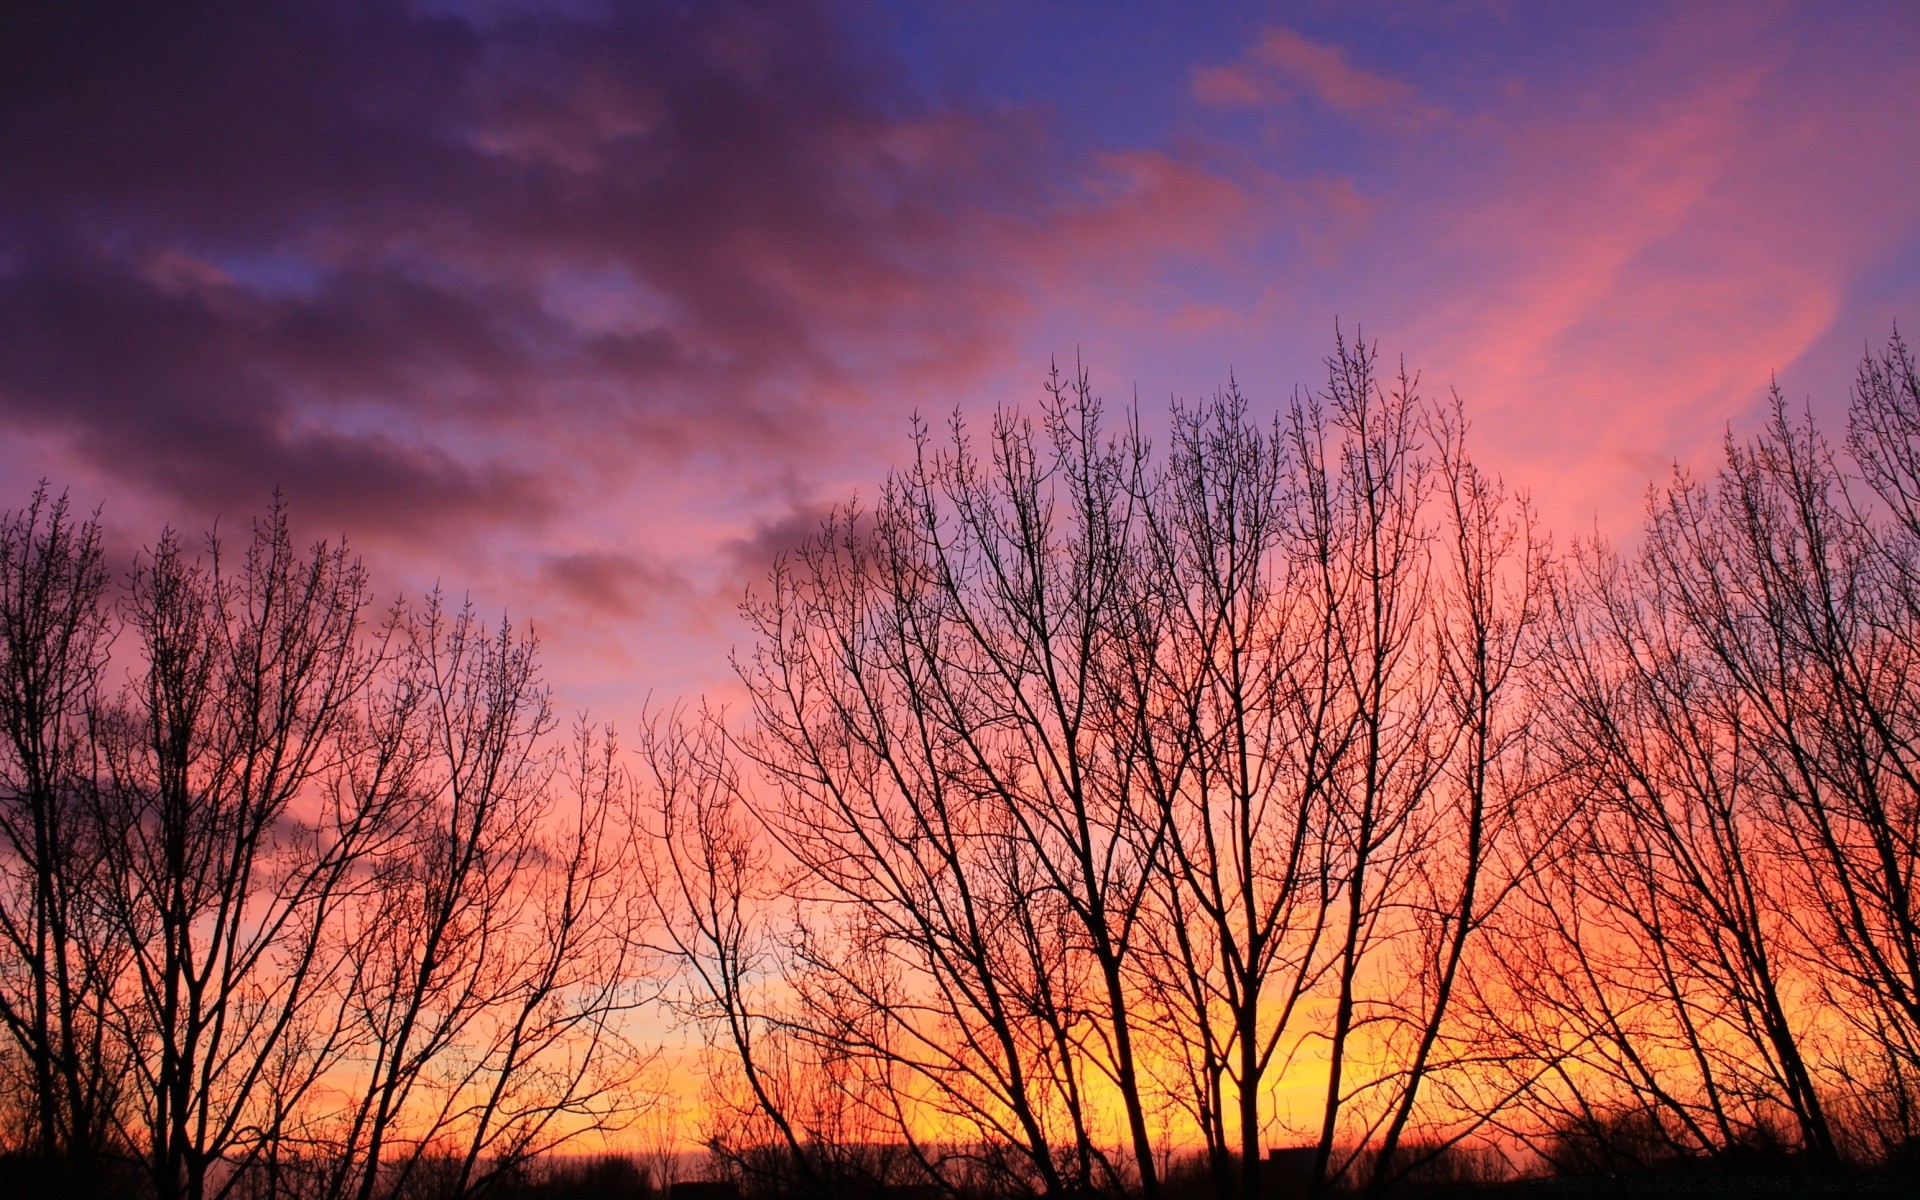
(1612, 288)
(1284, 66)
(1141, 206)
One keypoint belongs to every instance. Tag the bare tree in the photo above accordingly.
(230, 845)
(1668, 900)
(928, 702)
(492, 966)
(710, 884)
(59, 967)
(1736, 912)
(1071, 746)
(1234, 698)
(310, 908)
(1483, 836)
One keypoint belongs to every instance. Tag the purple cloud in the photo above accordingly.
(424, 268)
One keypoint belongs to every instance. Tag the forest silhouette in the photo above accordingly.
(1272, 809)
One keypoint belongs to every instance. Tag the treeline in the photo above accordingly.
(294, 902)
(1104, 815)
(1283, 786)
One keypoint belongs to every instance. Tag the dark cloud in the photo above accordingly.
(783, 535)
(407, 263)
(613, 583)
(199, 392)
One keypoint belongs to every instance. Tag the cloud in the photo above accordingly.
(613, 582)
(778, 536)
(195, 391)
(1613, 274)
(1283, 66)
(562, 303)
(428, 269)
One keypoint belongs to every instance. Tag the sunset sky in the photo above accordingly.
(589, 309)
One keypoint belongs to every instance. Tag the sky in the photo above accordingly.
(588, 310)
